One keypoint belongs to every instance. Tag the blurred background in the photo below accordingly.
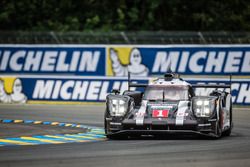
(56, 54)
(187, 33)
(125, 21)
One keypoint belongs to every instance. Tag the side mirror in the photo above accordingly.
(115, 91)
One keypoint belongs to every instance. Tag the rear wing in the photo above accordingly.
(210, 86)
(130, 84)
(167, 76)
(214, 85)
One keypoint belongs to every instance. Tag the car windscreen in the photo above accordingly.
(166, 93)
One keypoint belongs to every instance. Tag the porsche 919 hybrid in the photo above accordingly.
(169, 105)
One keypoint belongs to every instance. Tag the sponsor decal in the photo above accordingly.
(160, 113)
(84, 69)
(11, 90)
(125, 59)
(34, 59)
(118, 60)
(85, 90)
(166, 105)
(74, 89)
(23, 89)
(193, 59)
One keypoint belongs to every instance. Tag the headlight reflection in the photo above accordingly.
(203, 107)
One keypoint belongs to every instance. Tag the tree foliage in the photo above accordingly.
(125, 15)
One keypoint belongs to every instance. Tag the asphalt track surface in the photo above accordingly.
(147, 152)
(8, 130)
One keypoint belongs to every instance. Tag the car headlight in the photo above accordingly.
(117, 107)
(203, 107)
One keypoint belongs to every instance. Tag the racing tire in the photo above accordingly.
(108, 132)
(112, 136)
(106, 127)
(218, 130)
(228, 131)
(116, 137)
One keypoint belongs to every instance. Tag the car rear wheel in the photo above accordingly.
(228, 131)
(218, 132)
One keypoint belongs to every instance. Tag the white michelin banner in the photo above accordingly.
(118, 60)
(47, 89)
(30, 73)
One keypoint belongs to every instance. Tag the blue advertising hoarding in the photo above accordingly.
(85, 73)
(182, 59)
(53, 59)
(30, 89)
(118, 60)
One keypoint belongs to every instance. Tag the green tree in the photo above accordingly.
(125, 15)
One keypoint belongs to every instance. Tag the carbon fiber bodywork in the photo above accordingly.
(152, 117)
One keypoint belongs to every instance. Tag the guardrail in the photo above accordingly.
(140, 37)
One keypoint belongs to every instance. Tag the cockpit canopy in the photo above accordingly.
(169, 92)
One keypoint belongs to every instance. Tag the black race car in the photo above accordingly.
(168, 105)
